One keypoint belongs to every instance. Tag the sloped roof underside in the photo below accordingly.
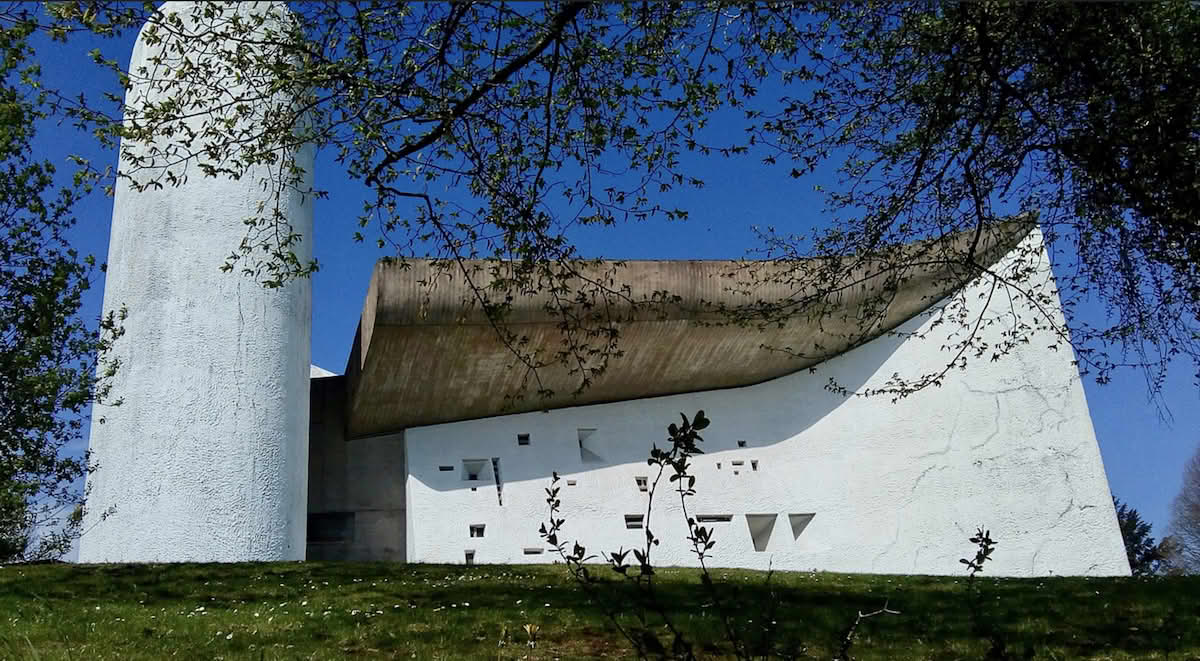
(425, 353)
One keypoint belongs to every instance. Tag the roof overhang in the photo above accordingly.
(426, 353)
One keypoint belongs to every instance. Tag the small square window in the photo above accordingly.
(477, 530)
(633, 520)
(472, 469)
(741, 444)
(642, 483)
(522, 439)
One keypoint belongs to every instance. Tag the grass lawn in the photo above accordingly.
(333, 610)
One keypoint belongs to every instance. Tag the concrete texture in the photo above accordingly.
(857, 484)
(356, 500)
(206, 458)
(423, 340)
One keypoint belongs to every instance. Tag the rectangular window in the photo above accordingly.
(477, 530)
(633, 521)
(522, 439)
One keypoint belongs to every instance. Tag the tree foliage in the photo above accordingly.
(939, 118)
(48, 354)
(1145, 557)
(1185, 520)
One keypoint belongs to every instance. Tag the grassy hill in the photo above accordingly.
(327, 611)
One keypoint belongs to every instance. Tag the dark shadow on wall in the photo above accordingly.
(732, 410)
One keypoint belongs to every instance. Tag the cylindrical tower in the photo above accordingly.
(206, 456)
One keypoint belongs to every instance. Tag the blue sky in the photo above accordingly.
(1143, 453)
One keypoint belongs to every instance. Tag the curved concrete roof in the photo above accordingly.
(425, 353)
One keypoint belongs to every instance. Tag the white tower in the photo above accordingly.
(206, 458)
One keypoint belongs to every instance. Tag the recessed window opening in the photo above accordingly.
(472, 469)
(753, 464)
(499, 481)
(445, 469)
(761, 526)
(633, 521)
(714, 518)
(741, 444)
(477, 530)
(718, 465)
(643, 483)
(570, 483)
(799, 522)
(533, 550)
(469, 557)
(738, 462)
(522, 439)
(587, 447)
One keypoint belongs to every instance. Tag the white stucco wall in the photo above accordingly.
(206, 458)
(894, 487)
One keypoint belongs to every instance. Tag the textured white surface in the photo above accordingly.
(895, 488)
(316, 372)
(206, 459)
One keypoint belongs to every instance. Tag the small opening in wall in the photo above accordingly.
(753, 464)
(570, 483)
(633, 520)
(474, 488)
(445, 469)
(714, 518)
(533, 550)
(522, 439)
(499, 481)
(741, 444)
(799, 522)
(761, 526)
(587, 448)
(738, 462)
(469, 557)
(472, 469)
(718, 465)
(642, 483)
(477, 530)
